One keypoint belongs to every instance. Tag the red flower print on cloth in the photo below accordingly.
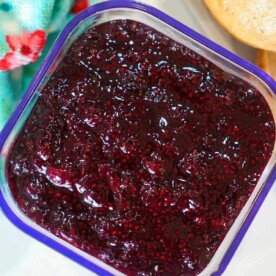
(24, 48)
(79, 5)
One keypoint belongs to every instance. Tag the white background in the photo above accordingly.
(20, 255)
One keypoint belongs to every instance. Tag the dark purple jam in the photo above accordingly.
(141, 152)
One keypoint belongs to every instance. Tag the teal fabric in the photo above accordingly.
(28, 28)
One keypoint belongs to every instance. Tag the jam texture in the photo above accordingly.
(140, 152)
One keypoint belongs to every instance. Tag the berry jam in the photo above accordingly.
(141, 152)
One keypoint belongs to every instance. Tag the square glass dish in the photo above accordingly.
(208, 55)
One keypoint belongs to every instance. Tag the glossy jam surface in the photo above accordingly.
(141, 152)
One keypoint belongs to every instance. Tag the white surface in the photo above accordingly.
(20, 255)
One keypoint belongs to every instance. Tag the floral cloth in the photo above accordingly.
(24, 48)
(27, 31)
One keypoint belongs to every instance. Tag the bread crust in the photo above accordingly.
(266, 60)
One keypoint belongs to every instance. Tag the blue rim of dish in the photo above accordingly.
(108, 5)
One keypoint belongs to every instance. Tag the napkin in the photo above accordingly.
(28, 28)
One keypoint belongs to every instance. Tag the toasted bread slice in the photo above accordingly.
(251, 21)
(267, 61)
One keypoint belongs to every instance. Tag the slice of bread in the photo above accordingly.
(251, 21)
(267, 61)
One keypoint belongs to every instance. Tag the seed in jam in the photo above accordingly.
(141, 152)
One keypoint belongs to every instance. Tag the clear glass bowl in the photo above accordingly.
(105, 12)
